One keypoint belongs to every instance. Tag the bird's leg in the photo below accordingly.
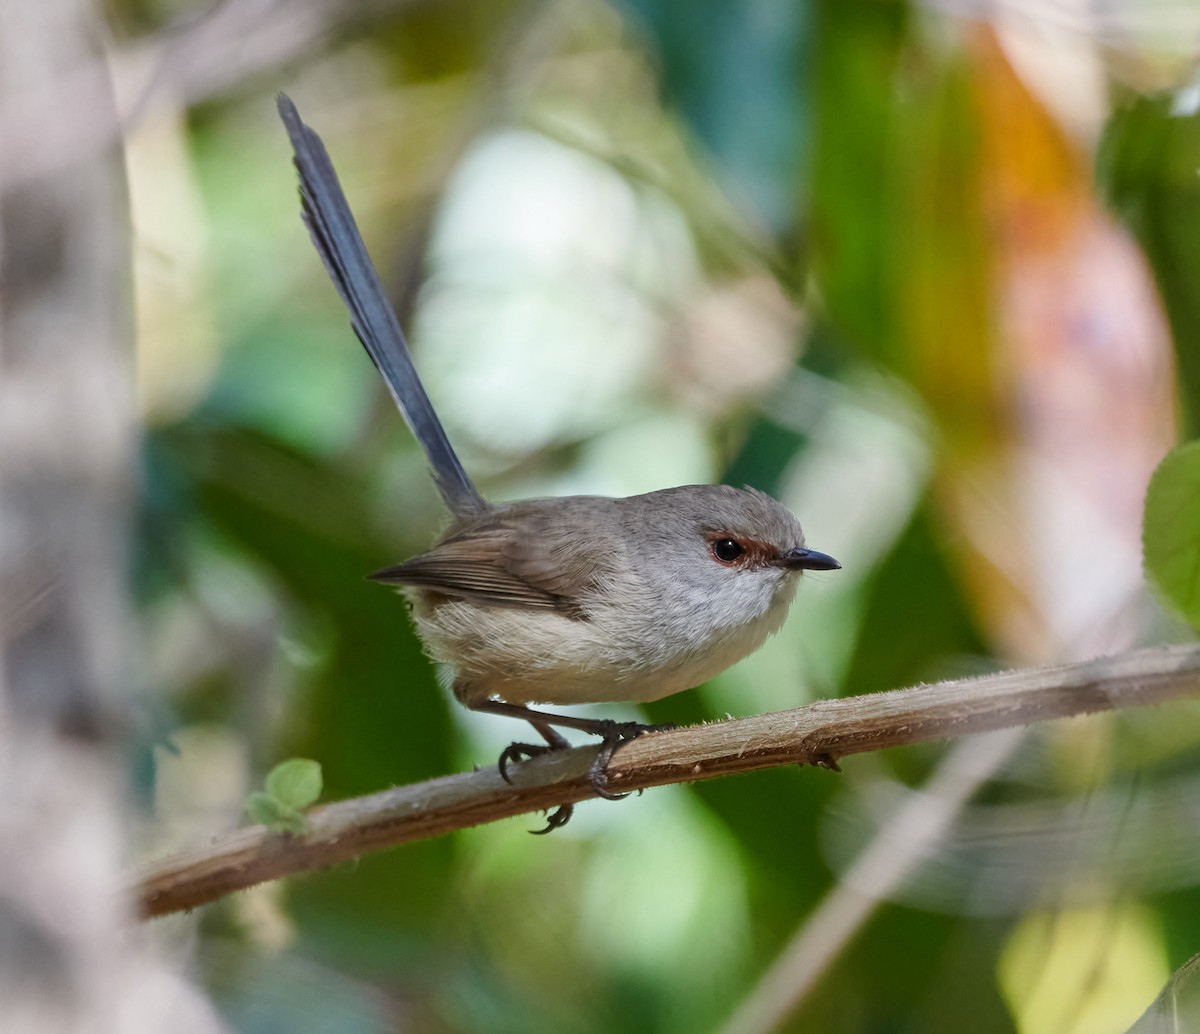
(555, 740)
(612, 734)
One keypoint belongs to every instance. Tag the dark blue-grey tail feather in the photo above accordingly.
(338, 241)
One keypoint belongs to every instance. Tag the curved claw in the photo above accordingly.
(598, 773)
(558, 818)
(520, 752)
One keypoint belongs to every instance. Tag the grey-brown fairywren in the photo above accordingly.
(569, 600)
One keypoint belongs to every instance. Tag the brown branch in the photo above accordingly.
(818, 734)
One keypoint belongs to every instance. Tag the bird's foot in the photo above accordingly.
(612, 736)
(518, 752)
(556, 819)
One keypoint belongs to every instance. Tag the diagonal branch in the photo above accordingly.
(818, 734)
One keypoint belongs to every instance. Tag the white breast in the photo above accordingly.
(632, 650)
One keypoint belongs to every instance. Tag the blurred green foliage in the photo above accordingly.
(1147, 166)
(839, 250)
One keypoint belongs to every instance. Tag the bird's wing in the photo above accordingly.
(530, 556)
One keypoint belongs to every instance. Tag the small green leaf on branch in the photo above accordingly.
(291, 786)
(1171, 530)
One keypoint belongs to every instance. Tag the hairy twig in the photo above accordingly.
(818, 734)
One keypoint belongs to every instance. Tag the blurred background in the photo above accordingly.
(925, 271)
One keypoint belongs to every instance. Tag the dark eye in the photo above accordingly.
(727, 550)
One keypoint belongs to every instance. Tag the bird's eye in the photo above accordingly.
(727, 550)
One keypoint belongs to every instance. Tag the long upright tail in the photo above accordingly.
(338, 241)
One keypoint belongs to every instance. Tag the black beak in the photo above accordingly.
(808, 560)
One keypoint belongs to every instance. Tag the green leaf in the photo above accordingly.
(262, 807)
(295, 783)
(1171, 530)
(274, 814)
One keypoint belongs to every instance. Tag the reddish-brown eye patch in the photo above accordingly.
(734, 551)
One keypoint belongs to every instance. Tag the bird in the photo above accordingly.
(569, 599)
